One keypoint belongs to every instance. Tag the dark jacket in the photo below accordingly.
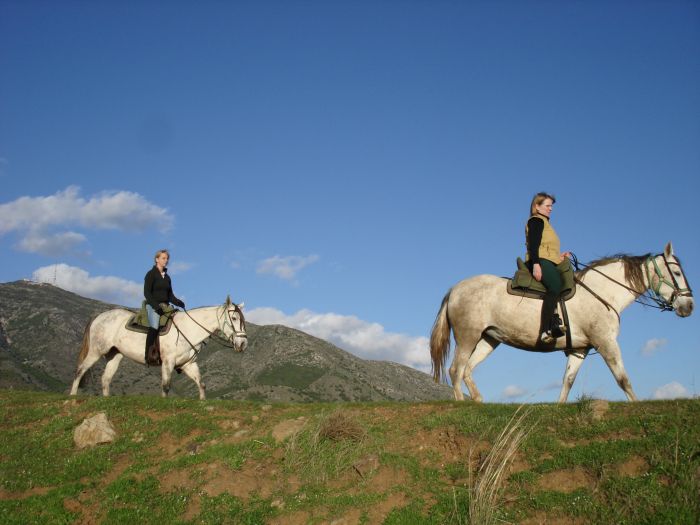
(158, 289)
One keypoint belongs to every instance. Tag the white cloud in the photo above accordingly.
(554, 385)
(104, 288)
(179, 267)
(513, 391)
(285, 267)
(37, 218)
(51, 245)
(362, 338)
(672, 390)
(653, 345)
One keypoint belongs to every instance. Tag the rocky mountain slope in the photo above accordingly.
(41, 327)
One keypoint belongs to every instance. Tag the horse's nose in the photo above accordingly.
(685, 308)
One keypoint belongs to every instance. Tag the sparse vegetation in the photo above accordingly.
(185, 461)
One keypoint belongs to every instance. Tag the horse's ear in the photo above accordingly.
(241, 306)
(228, 300)
(668, 251)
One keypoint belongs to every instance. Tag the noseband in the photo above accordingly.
(236, 333)
(673, 283)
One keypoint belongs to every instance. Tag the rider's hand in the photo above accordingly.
(565, 255)
(179, 303)
(537, 272)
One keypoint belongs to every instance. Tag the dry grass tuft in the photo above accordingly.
(487, 487)
(326, 448)
(339, 426)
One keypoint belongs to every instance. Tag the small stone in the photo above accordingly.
(255, 418)
(209, 409)
(265, 408)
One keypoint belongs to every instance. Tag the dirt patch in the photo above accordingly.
(386, 478)
(566, 480)
(122, 463)
(518, 464)
(449, 444)
(542, 518)
(287, 429)
(379, 512)
(35, 491)
(599, 407)
(634, 467)
(253, 479)
(176, 479)
(169, 445)
(194, 507)
(295, 518)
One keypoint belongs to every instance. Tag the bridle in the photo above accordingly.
(673, 283)
(655, 291)
(221, 320)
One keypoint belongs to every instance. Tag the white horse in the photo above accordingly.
(482, 314)
(106, 335)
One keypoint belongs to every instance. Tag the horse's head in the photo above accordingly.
(234, 325)
(667, 280)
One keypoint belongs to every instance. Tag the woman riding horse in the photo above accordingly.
(158, 291)
(543, 256)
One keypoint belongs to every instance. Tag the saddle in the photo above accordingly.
(139, 321)
(523, 284)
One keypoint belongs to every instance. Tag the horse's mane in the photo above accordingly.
(633, 265)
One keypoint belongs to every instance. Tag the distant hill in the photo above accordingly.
(41, 327)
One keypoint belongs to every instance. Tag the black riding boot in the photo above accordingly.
(549, 319)
(152, 348)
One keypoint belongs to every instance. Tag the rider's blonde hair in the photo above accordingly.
(538, 199)
(159, 252)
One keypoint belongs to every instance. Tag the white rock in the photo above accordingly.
(94, 431)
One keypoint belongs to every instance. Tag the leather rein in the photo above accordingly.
(214, 335)
(655, 296)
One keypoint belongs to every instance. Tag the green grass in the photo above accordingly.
(420, 452)
(295, 376)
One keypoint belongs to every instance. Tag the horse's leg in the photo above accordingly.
(191, 370)
(90, 359)
(463, 350)
(610, 351)
(573, 363)
(483, 348)
(459, 362)
(113, 357)
(166, 375)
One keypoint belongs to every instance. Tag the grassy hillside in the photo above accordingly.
(222, 461)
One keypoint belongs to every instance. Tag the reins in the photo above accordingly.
(661, 303)
(214, 335)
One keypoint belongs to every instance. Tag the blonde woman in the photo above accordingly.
(543, 256)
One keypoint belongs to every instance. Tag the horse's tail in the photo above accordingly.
(440, 340)
(85, 347)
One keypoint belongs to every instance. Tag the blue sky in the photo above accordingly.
(339, 166)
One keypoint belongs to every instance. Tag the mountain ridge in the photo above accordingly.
(41, 327)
